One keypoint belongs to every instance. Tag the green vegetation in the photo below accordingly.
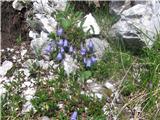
(118, 65)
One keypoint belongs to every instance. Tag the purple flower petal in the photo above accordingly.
(90, 45)
(62, 49)
(65, 43)
(89, 62)
(71, 49)
(59, 31)
(93, 59)
(59, 56)
(48, 48)
(84, 61)
(83, 51)
(74, 116)
(61, 42)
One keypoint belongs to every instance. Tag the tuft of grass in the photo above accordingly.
(19, 39)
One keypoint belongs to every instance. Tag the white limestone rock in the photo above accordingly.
(90, 21)
(43, 64)
(2, 89)
(48, 6)
(45, 118)
(70, 65)
(18, 5)
(23, 52)
(28, 94)
(49, 23)
(6, 65)
(27, 107)
(138, 25)
(109, 86)
(37, 43)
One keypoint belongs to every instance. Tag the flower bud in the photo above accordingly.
(59, 56)
(59, 32)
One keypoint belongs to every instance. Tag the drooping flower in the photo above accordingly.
(74, 116)
(61, 42)
(83, 51)
(62, 50)
(65, 43)
(48, 48)
(93, 59)
(59, 56)
(84, 60)
(89, 62)
(71, 49)
(59, 32)
(90, 46)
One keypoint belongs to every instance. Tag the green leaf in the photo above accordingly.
(85, 75)
(52, 35)
(66, 24)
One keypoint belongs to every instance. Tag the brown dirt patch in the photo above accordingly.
(13, 25)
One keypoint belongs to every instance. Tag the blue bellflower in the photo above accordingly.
(83, 51)
(74, 116)
(59, 32)
(91, 46)
(71, 49)
(85, 61)
(59, 56)
(48, 48)
(61, 42)
(62, 50)
(65, 43)
(93, 59)
(89, 62)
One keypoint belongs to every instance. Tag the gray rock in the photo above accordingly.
(18, 5)
(37, 44)
(43, 64)
(109, 86)
(27, 107)
(45, 118)
(6, 65)
(2, 89)
(90, 21)
(70, 65)
(48, 22)
(117, 7)
(48, 6)
(138, 25)
(25, 71)
(99, 46)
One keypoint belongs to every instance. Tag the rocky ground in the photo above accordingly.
(57, 65)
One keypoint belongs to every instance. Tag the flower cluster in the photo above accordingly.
(63, 46)
(88, 55)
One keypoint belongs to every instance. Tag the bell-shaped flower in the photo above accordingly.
(83, 51)
(48, 49)
(61, 42)
(65, 43)
(90, 46)
(74, 116)
(84, 61)
(59, 56)
(71, 49)
(89, 63)
(62, 50)
(93, 59)
(59, 32)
